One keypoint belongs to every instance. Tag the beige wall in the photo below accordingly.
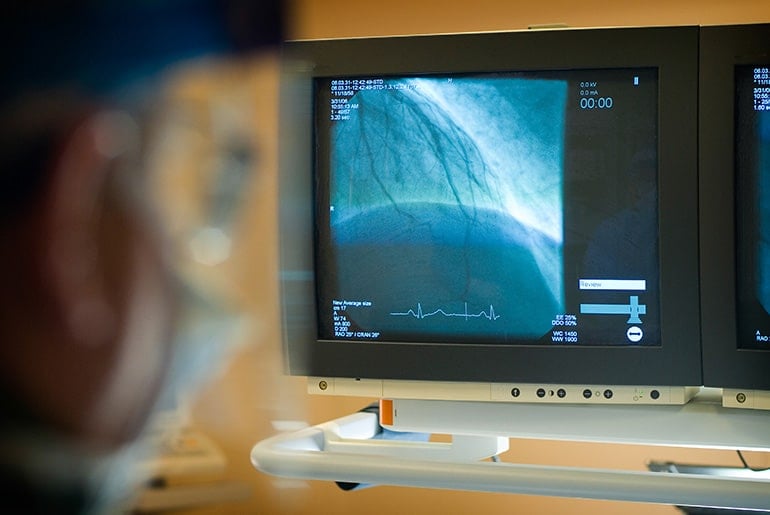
(238, 409)
(346, 18)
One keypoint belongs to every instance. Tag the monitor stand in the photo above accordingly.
(347, 451)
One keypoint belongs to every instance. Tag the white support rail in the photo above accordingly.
(344, 450)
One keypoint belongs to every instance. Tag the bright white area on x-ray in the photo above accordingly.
(528, 167)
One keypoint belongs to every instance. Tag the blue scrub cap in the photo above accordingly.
(98, 47)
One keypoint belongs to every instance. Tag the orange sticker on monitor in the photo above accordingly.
(386, 412)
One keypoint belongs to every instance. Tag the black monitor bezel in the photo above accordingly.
(673, 50)
(722, 48)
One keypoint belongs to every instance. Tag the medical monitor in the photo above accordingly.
(735, 213)
(503, 216)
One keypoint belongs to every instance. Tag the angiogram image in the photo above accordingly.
(446, 207)
(763, 174)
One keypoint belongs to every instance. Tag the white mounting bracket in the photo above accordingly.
(347, 450)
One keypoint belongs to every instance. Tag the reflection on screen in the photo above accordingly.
(753, 207)
(515, 208)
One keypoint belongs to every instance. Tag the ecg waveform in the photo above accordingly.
(420, 314)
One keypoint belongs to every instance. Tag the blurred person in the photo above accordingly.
(92, 298)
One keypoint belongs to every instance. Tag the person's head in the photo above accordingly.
(90, 300)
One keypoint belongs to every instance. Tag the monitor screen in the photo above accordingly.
(512, 208)
(734, 168)
(501, 207)
(752, 169)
